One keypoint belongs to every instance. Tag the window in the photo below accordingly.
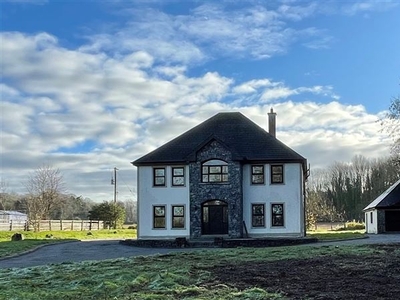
(159, 216)
(277, 214)
(257, 174)
(214, 171)
(258, 215)
(178, 216)
(159, 176)
(178, 176)
(277, 174)
(371, 217)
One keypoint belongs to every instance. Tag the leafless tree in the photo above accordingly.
(3, 194)
(45, 185)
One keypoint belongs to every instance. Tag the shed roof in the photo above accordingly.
(388, 199)
(12, 212)
(245, 139)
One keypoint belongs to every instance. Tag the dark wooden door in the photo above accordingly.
(215, 219)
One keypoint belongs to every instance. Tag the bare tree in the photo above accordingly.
(3, 194)
(391, 124)
(45, 185)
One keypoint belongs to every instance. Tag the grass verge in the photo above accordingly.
(35, 239)
(337, 235)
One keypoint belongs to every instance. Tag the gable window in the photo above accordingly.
(277, 215)
(277, 174)
(159, 216)
(257, 174)
(178, 216)
(159, 176)
(178, 176)
(214, 171)
(258, 215)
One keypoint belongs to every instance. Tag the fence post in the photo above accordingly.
(49, 224)
(72, 225)
(61, 225)
(90, 224)
(10, 225)
(82, 225)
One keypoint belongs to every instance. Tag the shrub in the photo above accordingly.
(352, 226)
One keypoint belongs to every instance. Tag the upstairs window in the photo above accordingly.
(214, 171)
(257, 174)
(159, 176)
(178, 176)
(276, 174)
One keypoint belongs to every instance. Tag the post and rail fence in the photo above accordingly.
(53, 225)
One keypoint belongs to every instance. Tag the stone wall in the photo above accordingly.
(230, 192)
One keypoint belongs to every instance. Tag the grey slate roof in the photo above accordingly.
(245, 139)
(388, 199)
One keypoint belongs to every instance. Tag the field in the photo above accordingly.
(300, 272)
(35, 239)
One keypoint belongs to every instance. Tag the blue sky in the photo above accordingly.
(91, 85)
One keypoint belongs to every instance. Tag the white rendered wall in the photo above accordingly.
(148, 196)
(371, 227)
(290, 193)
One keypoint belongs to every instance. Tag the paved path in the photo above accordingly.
(106, 249)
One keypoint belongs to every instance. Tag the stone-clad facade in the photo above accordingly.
(230, 192)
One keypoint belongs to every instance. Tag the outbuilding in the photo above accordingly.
(383, 214)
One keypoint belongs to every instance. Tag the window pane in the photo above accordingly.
(216, 169)
(178, 222)
(178, 171)
(258, 209)
(224, 178)
(257, 179)
(205, 178)
(277, 220)
(205, 170)
(178, 181)
(159, 181)
(159, 172)
(277, 178)
(178, 211)
(215, 178)
(258, 221)
(159, 222)
(225, 169)
(276, 169)
(159, 211)
(277, 208)
(258, 169)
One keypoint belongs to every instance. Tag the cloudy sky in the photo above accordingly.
(91, 85)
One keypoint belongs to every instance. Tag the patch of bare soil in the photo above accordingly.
(375, 276)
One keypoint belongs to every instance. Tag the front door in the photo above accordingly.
(215, 217)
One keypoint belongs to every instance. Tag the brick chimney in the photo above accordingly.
(272, 123)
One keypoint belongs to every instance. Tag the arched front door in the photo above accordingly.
(215, 217)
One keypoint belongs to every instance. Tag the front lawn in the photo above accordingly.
(337, 235)
(243, 273)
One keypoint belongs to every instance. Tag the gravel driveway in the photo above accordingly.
(108, 249)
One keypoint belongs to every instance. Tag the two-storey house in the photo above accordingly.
(225, 177)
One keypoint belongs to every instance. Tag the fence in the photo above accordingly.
(53, 225)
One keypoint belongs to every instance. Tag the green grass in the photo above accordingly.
(35, 239)
(174, 276)
(337, 235)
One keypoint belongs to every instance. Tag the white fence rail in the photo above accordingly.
(53, 225)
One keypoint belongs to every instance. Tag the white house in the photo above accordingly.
(225, 177)
(383, 214)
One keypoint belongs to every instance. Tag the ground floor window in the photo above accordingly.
(258, 215)
(178, 216)
(277, 214)
(159, 216)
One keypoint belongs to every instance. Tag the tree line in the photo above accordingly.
(46, 199)
(341, 191)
